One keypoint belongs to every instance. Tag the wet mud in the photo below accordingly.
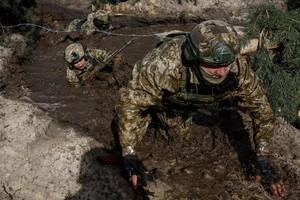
(214, 162)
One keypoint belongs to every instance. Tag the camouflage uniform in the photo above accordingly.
(92, 56)
(161, 72)
(88, 25)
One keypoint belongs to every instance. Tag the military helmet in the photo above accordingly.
(212, 42)
(74, 53)
(100, 19)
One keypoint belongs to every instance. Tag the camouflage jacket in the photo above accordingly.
(160, 72)
(93, 57)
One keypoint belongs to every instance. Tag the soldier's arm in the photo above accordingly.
(143, 91)
(253, 97)
(99, 54)
(72, 77)
(155, 72)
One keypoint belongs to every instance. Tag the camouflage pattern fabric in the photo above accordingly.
(159, 71)
(87, 25)
(73, 75)
(211, 30)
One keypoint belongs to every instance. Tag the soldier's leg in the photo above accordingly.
(176, 124)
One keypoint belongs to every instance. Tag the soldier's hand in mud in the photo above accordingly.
(132, 171)
(269, 176)
(278, 189)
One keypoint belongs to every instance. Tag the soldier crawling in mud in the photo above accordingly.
(98, 20)
(200, 67)
(82, 60)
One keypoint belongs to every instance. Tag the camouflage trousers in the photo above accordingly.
(171, 124)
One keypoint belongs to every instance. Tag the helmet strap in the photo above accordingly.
(196, 70)
(70, 66)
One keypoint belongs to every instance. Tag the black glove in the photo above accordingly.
(133, 166)
(267, 172)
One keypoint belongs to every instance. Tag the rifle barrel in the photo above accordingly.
(91, 74)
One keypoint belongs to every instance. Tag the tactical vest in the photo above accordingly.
(192, 96)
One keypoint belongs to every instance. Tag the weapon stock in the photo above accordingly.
(91, 74)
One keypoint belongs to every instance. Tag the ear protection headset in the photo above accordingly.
(220, 53)
(190, 53)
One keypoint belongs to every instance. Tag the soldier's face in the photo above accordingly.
(80, 64)
(220, 71)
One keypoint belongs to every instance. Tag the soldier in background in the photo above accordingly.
(82, 60)
(98, 20)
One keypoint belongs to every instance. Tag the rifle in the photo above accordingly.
(89, 75)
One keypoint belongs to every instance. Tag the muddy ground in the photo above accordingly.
(214, 163)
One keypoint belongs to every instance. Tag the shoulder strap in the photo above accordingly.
(184, 78)
(91, 60)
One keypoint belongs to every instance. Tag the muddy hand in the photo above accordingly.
(278, 189)
(270, 177)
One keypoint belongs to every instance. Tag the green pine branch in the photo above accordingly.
(278, 69)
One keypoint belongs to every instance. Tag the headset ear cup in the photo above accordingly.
(71, 67)
(187, 52)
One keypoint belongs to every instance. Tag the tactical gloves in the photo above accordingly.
(267, 172)
(133, 166)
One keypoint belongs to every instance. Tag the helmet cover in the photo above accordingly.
(74, 53)
(214, 42)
